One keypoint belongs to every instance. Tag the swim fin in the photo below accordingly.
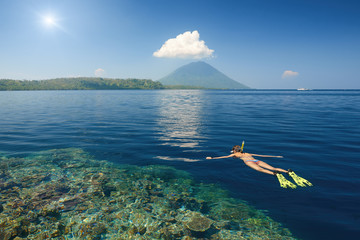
(284, 183)
(299, 180)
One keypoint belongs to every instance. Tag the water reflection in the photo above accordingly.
(179, 122)
(167, 158)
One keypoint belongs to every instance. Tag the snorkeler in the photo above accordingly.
(261, 166)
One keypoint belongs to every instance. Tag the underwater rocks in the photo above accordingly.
(199, 223)
(66, 194)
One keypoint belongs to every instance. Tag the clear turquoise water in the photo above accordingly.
(317, 132)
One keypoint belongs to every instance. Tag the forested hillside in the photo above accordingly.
(81, 83)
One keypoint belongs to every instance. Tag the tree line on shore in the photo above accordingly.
(79, 83)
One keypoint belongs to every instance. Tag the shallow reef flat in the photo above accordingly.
(67, 194)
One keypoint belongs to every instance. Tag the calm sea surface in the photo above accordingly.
(317, 132)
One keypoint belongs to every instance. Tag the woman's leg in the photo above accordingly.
(267, 166)
(257, 168)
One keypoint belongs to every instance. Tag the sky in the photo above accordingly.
(263, 44)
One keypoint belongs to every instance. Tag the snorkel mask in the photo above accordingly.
(239, 149)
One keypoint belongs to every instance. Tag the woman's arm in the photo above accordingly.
(231, 155)
(258, 155)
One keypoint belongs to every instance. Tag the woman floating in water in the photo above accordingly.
(261, 166)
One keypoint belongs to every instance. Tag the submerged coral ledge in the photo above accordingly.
(66, 194)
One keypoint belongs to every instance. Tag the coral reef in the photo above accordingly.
(66, 194)
(198, 223)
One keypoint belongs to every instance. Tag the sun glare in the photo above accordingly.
(49, 21)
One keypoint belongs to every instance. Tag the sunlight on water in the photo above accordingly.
(180, 119)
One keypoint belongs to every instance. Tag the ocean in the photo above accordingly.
(317, 132)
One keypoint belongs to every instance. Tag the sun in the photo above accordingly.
(49, 21)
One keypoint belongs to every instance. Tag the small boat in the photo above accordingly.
(303, 89)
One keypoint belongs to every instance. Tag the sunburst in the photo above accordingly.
(49, 21)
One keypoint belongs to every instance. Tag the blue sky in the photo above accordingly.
(261, 43)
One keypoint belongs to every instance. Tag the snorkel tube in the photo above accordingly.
(237, 148)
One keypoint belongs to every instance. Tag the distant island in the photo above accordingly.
(80, 83)
(196, 75)
(200, 75)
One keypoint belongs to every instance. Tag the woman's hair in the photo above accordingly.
(236, 148)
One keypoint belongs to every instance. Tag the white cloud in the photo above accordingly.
(289, 74)
(99, 72)
(186, 45)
